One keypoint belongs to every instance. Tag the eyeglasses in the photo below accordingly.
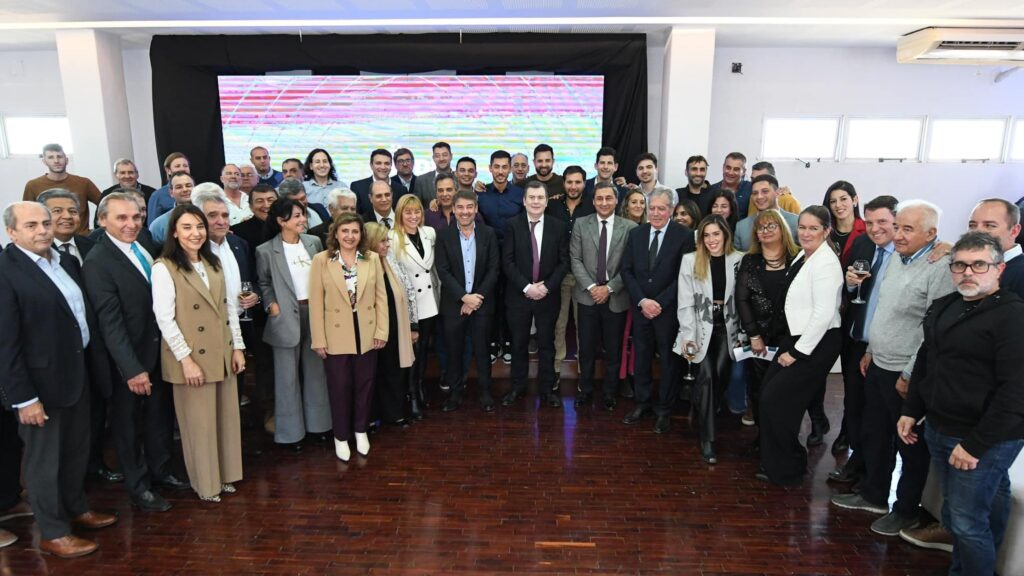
(768, 227)
(978, 266)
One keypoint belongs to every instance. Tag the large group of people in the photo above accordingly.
(336, 296)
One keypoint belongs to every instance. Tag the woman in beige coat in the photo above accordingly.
(348, 319)
(201, 352)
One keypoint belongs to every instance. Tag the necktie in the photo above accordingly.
(652, 255)
(602, 254)
(536, 250)
(65, 248)
(387, 222)
(859, 333)
(142, 260)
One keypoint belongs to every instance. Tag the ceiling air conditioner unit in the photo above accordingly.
(984, 46)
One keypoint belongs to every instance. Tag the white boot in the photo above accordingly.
(362, 443)
(341, 450)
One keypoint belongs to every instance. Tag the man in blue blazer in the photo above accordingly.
(380, 164)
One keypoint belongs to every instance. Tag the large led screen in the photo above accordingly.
(352, 115)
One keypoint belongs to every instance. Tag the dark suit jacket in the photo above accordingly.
(1012, 279)
(246, 264)
(398, 189)
(660, 284)
(41, 352)
(83, 243)
(123, 300)
(145, 240)
(452, 273)
(862, 249)
(362, 191)
(253, 231)
(320, 231)
(517, 258)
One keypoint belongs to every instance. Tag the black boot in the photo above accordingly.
(414, 408)
(819, 427)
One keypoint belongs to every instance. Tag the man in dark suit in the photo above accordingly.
(404, 181)
(381, 210)
(380, 165)
(127, 176)
(875, 247)
(1001, 219)
(11, 504)
(424, 187)
(117, 279)
(50, 350)
(595, 252)
(467, 263)
(535, 259)
(650, 270)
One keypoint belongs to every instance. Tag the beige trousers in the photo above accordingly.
(211, 434)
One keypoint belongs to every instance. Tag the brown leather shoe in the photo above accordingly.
(93, 520)
(69, 546)
(6, 538)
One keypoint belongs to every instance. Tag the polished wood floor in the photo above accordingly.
(527, 489)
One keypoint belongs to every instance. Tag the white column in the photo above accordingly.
(685, 101)
(92, 72)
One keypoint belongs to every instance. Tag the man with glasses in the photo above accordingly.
(404, 181)
(968, 388)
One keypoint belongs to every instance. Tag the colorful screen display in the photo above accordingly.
(350, 116)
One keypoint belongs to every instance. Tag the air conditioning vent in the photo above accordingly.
(977, 46)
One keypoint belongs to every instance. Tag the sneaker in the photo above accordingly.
(506, 353)
(748, 417)
(533, 348)
(243, 401)
(857, 502)
(893, 523)
(932, 536)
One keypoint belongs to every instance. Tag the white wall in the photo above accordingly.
(863, 81)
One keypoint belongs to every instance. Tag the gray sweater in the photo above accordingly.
(906, 293)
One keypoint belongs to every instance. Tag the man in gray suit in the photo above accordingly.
(595, 253)
(423, 187)
(764, 194)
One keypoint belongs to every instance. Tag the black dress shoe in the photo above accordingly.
(635, 415)
(374, 427)
(583, 399)
(610, 403)
(818, 431)
(707, 451)
(511, 398)
(558, 382)
(150, 501)
(626, 387)
(662, 424)
(554, 401)
(487, 404)
(172, 482)
(451, 404)
(844, 474)
(107, 475)
(293, 447)
(841, 444)
(762, 475)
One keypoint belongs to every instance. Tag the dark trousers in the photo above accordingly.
(350, 389)
(129, 412)
(853, 399)
(600, 328)
(543, 313)
(500, 330)
(10, 460)
(56, 457)
(455, 328)
(786, 394)
(421, 349)
(98, 406)
(755, 382)
(712, 381)
(882, 409)
(263, 365)
(650, 335)
(392, 383)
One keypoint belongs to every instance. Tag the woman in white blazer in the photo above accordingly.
(413, 248)
(807, 350)
(708, 320)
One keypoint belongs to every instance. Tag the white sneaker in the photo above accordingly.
(341, 450)
(362, 443)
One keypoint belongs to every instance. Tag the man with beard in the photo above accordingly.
(465, 175)
(238, 201)
(569, 207)
(544, 164)
(697, 187)
(260, 158)
(57, 176)
(404, 181)
(733, 170)
(291, 168)
(423, 188)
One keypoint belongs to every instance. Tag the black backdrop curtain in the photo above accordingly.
(186, 104)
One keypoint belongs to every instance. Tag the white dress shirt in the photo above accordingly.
(72, 247)
(164, 301)
(607, 249)
(539, 233)
(239, 212)
(380, 219)
(232, 277)
(127, 250)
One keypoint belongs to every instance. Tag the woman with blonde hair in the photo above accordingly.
(412, 249)
(634, 206)
(348, 321)
(708, 323)
(396, 356)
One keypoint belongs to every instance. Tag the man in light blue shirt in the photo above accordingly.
(181, 185)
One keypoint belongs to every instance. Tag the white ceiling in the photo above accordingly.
(30, 24)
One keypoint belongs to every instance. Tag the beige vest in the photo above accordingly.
(201, 315)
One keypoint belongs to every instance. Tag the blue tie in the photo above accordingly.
(142, 260)
(865, 311)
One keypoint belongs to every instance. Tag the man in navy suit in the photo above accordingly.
(50, 351)
(650, 269)
(380, 164)
(404, 181)
(535, 260)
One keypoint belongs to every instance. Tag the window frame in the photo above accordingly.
(5, 149)
(839, 119)
(922, 136)
(1003, 145)
(1012, 135)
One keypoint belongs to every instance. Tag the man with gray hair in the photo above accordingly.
(910, 285)
(238, 201)
(126, 175)
(339, 201)
(291, 188)
(57, 176)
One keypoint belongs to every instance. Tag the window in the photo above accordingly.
(1017, 141)
(966, 139)
(875, 138)
(803, 138)
(26, 135)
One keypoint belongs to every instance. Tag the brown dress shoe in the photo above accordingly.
(6, 538)
(69, 546)
(93, 520)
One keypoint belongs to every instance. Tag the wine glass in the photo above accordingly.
(690, 352)
(245, 293)
(860, 268)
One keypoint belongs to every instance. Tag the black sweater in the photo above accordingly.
(969, 380)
